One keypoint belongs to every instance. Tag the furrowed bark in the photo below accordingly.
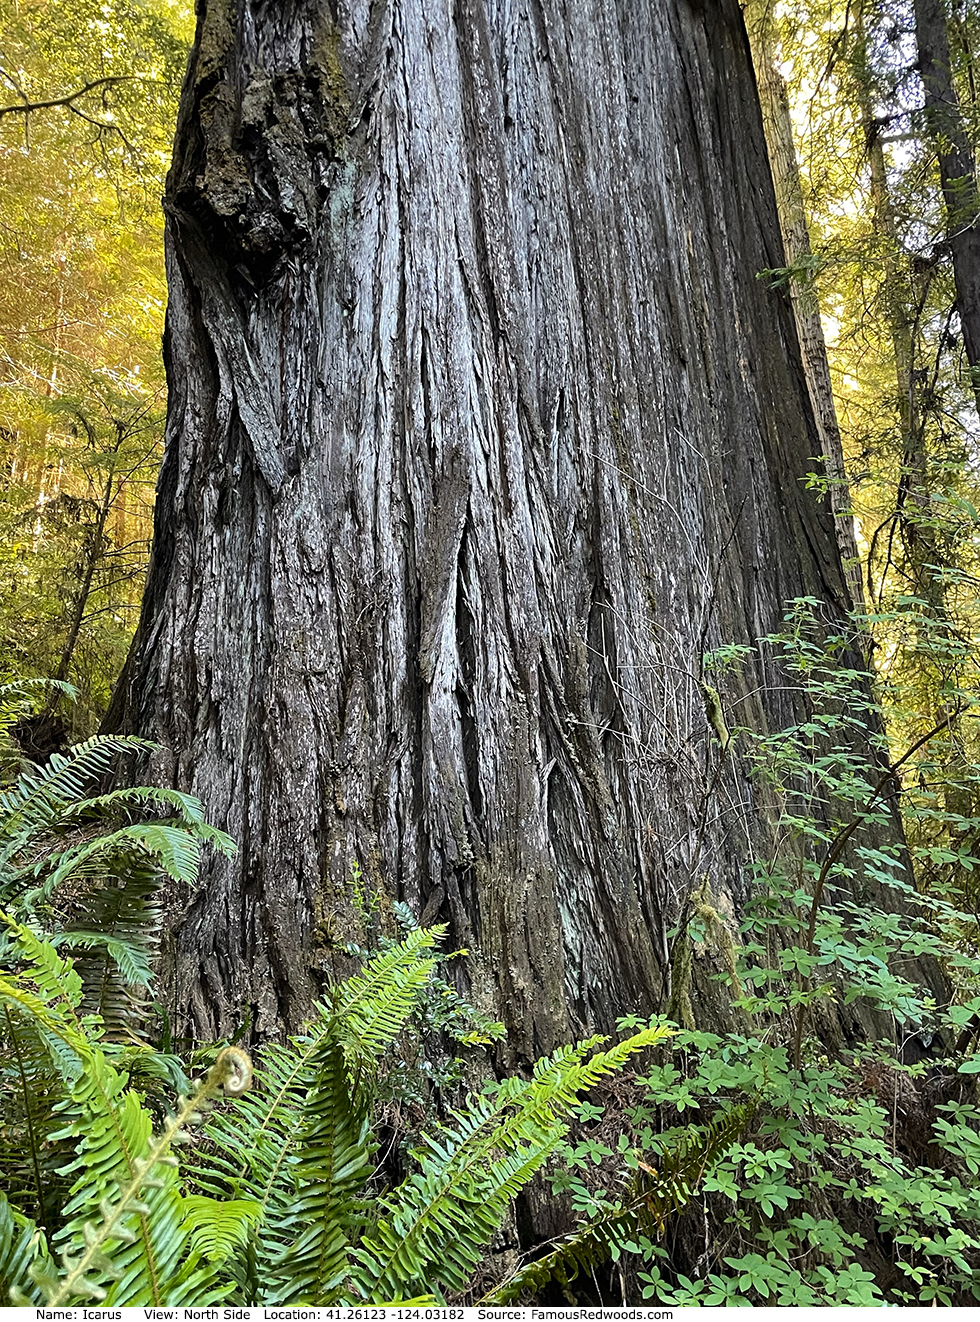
(481, 429)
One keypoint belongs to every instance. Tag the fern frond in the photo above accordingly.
(130, 961)
(219, 1229)
(436, 1224)
(337, 1148)
(124, 1240)
(171, 848)
(114, 955)
(686, 1161)
(29, 1092)
(135, 1243)
(250, 1147)
(185, 806)
(39, 796)
(251, 1152)
(150, 1070)
(187, 811)
(650, 1198)
(253, 1146)
(301, 1137)
(374, 1005)
(54, 979)
(113, 1126)
(45, 995)
(22, 1248)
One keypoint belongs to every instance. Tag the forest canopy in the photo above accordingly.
(533, 759)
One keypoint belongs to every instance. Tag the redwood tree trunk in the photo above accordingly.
(481, 428)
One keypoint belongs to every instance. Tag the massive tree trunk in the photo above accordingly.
(481, 428)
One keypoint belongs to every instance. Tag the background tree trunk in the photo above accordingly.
(902, 309)
(778, 122)
(957, 171)
(481, 429)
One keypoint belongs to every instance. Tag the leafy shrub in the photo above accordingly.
(857, 1181)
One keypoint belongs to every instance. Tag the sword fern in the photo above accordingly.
(279, 1199)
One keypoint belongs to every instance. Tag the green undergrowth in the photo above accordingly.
(823, 1152)
(854, 983)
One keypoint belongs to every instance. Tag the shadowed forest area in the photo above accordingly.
(489, 652)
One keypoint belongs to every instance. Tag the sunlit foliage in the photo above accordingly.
(903, 388)
(82, 296)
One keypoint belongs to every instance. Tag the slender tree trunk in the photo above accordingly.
(914, 509)
(777, 119)
(897, 301)
(481, 428)
(957, 171)
(92, 554)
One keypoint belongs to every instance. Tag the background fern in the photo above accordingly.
(23, 1250)
(650, 1197)
(77, 864)
(76, 868)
